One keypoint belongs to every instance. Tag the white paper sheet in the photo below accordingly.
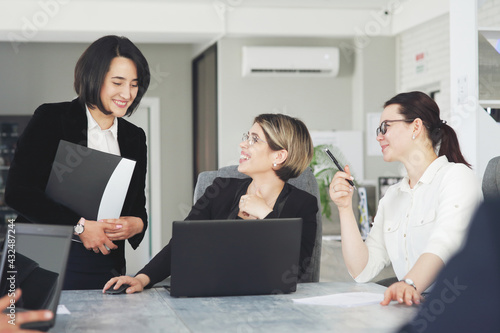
(343, 299)
(62, 309)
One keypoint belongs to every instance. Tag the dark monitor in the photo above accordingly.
(34, 258)
(235, 257)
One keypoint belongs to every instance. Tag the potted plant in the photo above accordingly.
(324, 170)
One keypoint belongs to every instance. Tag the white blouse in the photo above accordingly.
(430, 218)
(102, 140)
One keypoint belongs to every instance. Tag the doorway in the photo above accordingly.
(147, 116)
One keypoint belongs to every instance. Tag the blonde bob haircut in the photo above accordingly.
(290, 134)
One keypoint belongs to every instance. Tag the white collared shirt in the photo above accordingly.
(433, 217)
(103, 140)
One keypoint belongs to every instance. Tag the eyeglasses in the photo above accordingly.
(382, 129)
(251, 139)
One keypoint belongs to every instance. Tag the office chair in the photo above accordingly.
(306, 181)
(491, 179)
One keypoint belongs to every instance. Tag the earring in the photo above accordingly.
(413, 137)
(274, 165)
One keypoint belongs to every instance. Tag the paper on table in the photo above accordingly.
(343, 299)
(62, 309)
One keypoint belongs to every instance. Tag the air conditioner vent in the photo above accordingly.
(290, 61)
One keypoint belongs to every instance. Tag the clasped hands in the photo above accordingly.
(253, 206)
(99, 235)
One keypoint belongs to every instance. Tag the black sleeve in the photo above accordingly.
(138, 199)
(215, 203)
(30, 170)
(158, 268)
(304, 205)
(309, 227)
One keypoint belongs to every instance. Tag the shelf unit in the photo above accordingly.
(10, 129)
(488, 70)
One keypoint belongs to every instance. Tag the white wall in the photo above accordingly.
(431, 38)
(488, 13)
(170, 66)
(374, 84)
(415, 13)
(478, 133)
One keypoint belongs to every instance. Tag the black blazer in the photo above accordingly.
(220, 201)
(35, 152)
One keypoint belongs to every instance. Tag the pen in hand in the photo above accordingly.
(337, 164)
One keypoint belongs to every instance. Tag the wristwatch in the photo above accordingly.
(79, 227)
(410, 282)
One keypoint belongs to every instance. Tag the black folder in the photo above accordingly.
(90, 182)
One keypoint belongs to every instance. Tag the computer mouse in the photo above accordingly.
(120, 290)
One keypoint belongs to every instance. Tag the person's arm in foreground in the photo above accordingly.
(13, 322)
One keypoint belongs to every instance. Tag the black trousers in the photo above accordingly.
(89, 270)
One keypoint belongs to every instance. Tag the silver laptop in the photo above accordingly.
(34, 258)
(235, 257)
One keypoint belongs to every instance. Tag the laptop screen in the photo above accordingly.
(34, 258)
(235, 257)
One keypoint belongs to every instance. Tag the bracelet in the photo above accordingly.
(409, 282)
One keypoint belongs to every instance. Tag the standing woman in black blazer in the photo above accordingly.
(111, 77)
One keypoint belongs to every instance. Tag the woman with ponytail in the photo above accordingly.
(422, 220)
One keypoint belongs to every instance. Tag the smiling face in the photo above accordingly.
(258, 157)
(395, 142)
(120, 86)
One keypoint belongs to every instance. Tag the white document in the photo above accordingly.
(344, 299)
(62, 309)
(116, 189)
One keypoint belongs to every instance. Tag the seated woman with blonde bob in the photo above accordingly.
(276, 148)
(421, 221)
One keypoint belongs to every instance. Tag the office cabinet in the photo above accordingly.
(10, 129)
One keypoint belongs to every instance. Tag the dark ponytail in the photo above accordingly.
(450, 146)
(416, 104)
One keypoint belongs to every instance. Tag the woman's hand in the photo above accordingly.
(340, 190)
(254, 205)
(136, 284)
(403, 293)
(20, 317)
(123, 228)
(94, 238)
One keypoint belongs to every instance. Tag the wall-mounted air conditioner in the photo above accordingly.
(290, 61)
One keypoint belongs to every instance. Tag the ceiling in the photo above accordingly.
(341, 4)
(202, 22)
